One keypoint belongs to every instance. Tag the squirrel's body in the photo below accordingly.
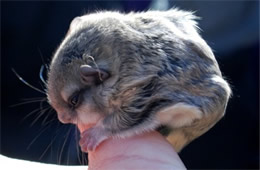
(130, 73)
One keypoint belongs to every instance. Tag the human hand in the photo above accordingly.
(145, 151)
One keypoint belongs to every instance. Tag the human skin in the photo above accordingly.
(148, 150)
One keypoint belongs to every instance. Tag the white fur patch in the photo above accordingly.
(179, 115)
(88, 115)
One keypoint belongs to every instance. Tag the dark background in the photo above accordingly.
(31, 31)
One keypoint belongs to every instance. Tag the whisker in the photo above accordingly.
(41, 77)
(58, 127)
(47, 148)
(42, 68)
(50, 144)
(40, 52)
(29, 114)
(77, 145)
(42, 58)
(28, 102)
(43, 87)
(41, 105)
(25, 82)
(47, 123)
(68, 155)
(84, 158)
(47, 116)
(63, 146)
(42, 111)
(33, 98)
(37, 136)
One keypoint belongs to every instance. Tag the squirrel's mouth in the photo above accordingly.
(83, 127)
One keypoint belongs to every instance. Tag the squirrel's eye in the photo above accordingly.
(74, 100)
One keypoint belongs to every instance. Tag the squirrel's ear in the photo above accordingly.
(90, 75)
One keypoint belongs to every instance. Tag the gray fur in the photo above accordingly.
(155, 60)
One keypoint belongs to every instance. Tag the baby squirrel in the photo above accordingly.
(125, 74)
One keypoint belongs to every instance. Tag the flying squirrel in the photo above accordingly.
(125, 74)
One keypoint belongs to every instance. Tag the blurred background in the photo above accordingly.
(31, 31)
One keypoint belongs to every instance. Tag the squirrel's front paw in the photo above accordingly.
(91, 138)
